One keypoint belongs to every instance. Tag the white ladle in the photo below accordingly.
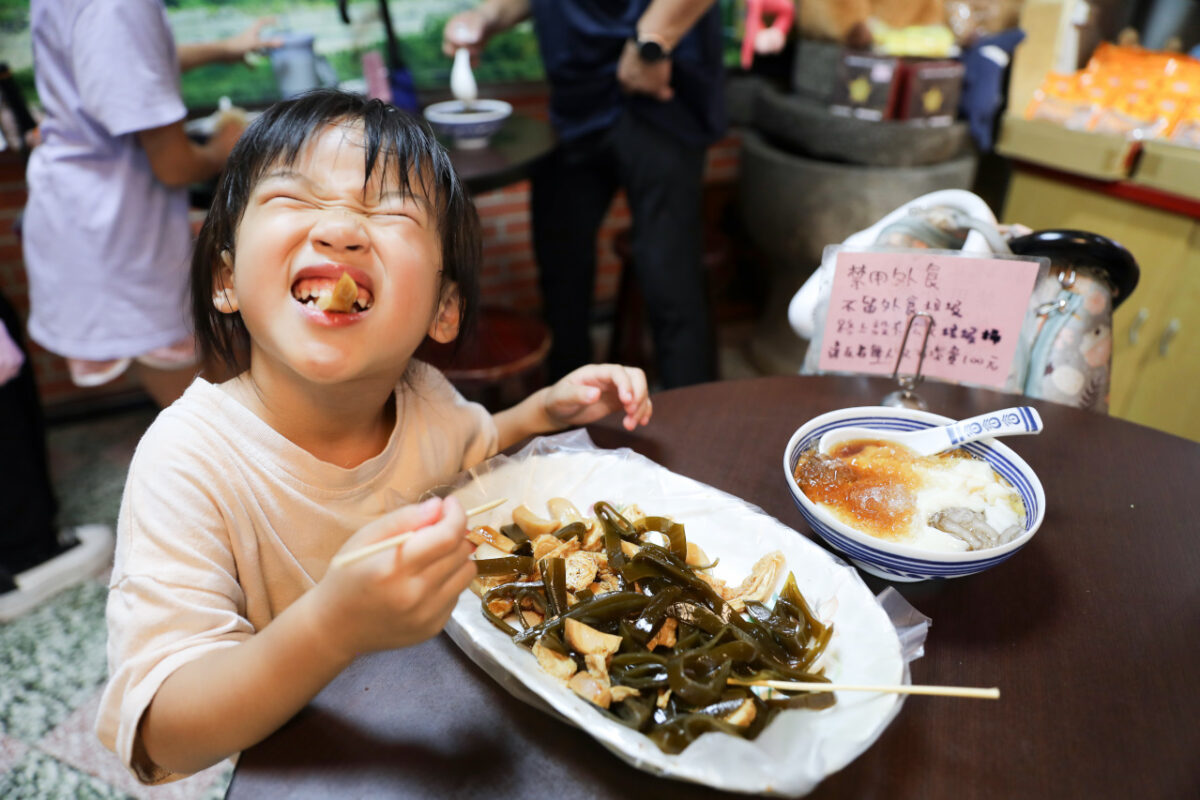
(1016, 421)
(462, 79)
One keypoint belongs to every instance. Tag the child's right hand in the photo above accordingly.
(403, 595)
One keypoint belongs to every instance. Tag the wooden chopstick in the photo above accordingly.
(371, 549)
(941, 691)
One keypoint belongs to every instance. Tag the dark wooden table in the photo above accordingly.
(507, 157)
(1092, 633)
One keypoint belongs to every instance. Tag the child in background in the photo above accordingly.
(224, 617)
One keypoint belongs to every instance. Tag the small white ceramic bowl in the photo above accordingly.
(900, 562)
(469, 128)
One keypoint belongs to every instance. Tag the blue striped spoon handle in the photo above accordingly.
(1015, 421)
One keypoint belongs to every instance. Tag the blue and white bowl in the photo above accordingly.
(469, 128)
(901, 562)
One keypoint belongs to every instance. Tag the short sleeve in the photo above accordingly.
(125, 64)
(174, 595)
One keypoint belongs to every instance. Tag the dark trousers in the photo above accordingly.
(27, 527)
(571, 191)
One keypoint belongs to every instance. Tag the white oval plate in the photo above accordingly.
(799, 748)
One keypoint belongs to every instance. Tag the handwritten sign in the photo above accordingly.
(978, 306)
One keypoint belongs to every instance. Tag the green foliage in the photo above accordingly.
(509, 57)
(24, 81)
(249, 6)
(245, 86)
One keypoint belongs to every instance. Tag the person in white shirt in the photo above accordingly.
(224, 616)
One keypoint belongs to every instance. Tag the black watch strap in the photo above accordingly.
(650, 49)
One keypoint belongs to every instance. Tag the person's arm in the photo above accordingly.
(670, 20)
(178, 161)
(583, 396)
(230, 50)
(472, 28)
(230, 699)
(664, 22)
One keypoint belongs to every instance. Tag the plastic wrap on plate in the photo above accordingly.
(800, 747)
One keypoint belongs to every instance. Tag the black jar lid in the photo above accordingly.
(1087, 250)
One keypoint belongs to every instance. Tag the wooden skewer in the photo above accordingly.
(488, 506)
(394, 541)
(942, 691)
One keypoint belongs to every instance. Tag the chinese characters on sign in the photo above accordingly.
(978, 306)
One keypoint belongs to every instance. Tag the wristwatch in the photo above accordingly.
(651, 48)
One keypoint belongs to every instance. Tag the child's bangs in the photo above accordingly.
(405, 162)
(397, 153)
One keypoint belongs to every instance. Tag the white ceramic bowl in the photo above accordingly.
(468, 128)
(901, 562)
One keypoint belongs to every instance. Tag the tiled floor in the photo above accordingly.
(52, 661)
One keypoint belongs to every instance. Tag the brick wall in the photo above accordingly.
(509, 277)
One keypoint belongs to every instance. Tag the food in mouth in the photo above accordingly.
(622, 610)
(947, 502)
(342, 297)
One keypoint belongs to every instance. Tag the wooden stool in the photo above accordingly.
(500, 364)
(626, 345)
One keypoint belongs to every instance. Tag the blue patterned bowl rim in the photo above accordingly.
(450, 113)
(899, 558)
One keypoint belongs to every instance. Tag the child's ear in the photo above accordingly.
(445, 323)
(224, 293)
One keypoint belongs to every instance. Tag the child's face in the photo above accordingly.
(307, 224)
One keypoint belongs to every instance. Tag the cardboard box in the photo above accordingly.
(930, 90)
(866, 86)
(1093, 155)
(1169, 167)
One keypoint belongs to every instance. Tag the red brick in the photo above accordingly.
(518, 227)
(505, 248)
(12, 195)
(499, 205)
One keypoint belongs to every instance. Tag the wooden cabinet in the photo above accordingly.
(1156, 331)
(1166, 391)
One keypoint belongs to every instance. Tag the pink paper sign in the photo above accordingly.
(978, 306)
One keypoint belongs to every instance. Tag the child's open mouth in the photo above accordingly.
(342, 296)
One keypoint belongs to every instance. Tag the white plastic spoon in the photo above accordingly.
(462, 79)
(1015, 421)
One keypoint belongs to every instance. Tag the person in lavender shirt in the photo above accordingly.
(106, 236)
(107, 245)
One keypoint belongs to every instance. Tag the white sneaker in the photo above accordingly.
(76, 564)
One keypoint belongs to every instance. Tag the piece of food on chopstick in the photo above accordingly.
(621, 608)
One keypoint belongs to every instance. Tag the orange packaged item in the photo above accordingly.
(1137, 115)
(1186, 131)
(1064, 100)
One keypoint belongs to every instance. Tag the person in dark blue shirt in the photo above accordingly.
(636, 96)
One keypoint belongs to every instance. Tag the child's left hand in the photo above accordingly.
(597, 390)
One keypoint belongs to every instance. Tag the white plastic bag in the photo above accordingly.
(871, 644)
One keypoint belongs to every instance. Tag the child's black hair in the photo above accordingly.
(397, 143)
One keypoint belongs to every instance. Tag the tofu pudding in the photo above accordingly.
(948, 502)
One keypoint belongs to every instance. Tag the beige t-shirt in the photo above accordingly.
(224, 523)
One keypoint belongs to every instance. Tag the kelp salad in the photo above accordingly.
(622, 610)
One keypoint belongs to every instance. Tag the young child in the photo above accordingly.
(224, 617)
